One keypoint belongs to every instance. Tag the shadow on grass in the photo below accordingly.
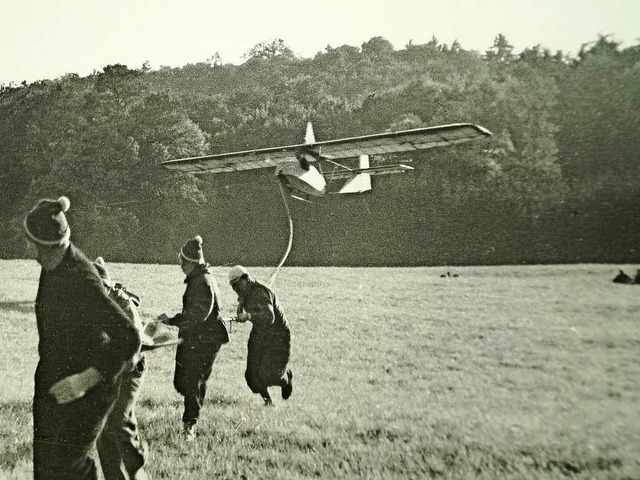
(25, 306)
(153, 404)
(223, 401)
(15, 418)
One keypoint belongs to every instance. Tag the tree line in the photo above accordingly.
(558, 182)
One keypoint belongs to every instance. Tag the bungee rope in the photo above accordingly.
(275, 272)
(273, 276)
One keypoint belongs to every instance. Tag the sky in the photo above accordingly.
(46, 39)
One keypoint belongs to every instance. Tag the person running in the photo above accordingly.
(269, 345)
(201, 329)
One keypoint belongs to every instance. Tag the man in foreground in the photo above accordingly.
(85, 341)
(269, 346)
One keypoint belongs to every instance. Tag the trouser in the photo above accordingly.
(194, 363)
(121, 449)
(267, 361)
(64, 436)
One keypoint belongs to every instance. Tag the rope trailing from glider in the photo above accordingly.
(286, 253)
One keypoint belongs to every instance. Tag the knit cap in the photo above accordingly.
(192, 250)
(236, 272)
(46, 223)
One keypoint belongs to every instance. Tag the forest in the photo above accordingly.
(558, 181)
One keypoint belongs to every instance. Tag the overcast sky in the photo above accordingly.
(45, 39)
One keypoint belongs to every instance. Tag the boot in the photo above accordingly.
(267, 398)
(189, 430)
(287, 389)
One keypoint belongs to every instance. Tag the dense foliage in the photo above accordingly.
(558, 181)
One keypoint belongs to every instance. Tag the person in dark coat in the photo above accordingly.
(121, 449)
(201, 330)
(269, 345)
(85, 341)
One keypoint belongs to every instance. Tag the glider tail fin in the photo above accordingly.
(360, 182)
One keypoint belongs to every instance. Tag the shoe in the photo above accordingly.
(287, 390)
(267, 399)
(189, 431)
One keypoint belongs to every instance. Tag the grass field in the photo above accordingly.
(514, 372)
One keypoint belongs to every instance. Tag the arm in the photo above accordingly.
(108, 358)
(123, 334)
(259, 305)
(197, 303)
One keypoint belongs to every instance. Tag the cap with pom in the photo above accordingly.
(236, 273)
(46, 223)
(102, 269)
(192, 250)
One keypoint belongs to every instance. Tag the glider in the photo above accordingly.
(295, 165)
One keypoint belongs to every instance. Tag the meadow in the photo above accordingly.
(508, 372)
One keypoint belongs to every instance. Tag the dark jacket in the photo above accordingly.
(267, 316)
(79, 326)
(200, 319)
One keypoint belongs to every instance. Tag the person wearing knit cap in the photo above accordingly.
(76, 380)
(269, 345)
(201, 329)
(121, 449)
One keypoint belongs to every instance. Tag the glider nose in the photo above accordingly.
(309, 182)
